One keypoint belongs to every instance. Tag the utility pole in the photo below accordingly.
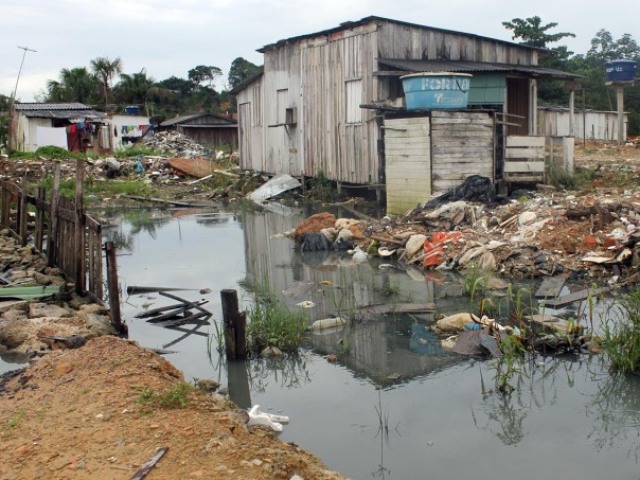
(24, 54)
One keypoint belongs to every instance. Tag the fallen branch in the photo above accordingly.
(146, 468)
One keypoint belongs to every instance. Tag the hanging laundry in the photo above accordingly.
(124, 130)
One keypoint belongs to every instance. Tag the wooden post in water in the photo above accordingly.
(235, 325)
(113, 289)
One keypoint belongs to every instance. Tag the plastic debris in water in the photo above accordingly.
(256, 417)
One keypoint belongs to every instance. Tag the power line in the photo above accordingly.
(24, 54)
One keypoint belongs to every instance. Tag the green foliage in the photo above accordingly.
(107, 188)
(241, 70)
(321, 187)
(533, 33)
(74, 85)
(272, 324)
(475, 282)
(621, 341)
(177, 396)
(135, 151)
(509, 364)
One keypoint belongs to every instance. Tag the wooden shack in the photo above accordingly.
(324, 99)
(205, 128)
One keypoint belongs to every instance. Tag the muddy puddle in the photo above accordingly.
(395, 405)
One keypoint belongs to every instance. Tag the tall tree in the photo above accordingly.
(75, 85)
(203, 74)
(105, 69)
(240, 70)
(533, 33)
(134, 88)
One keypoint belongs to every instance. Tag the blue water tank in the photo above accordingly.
(436, 90)
(132, 110)
(620, 71)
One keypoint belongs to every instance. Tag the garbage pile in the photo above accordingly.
(537, 235)
(174, 144)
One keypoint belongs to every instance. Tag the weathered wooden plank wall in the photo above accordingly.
(338, 137)
(405, 41)
(407, 163)
(462, 144)
(281, 91)
(251, 126)
(597, 125)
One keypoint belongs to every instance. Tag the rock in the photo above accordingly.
(527, 218)
(37, 310)
(14, 333)
(207, 385)
(42, 279)
(14, 314)
(99, 325)
(270, 352)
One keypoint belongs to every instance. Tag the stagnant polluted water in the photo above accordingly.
(395, 405)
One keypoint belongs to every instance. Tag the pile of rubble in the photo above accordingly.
(37, 309)
(174, 144)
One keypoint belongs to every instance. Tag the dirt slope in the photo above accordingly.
(79, 414)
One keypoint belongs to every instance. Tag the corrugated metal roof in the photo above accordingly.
(50, 106)
(373, 18)
(186, 118)
(473, 67)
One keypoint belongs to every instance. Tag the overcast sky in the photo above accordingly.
(169, 37)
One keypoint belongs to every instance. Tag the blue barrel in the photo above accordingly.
(132, 110)
(436, 90)
(620, 71)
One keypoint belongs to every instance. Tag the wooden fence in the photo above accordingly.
(64, 234)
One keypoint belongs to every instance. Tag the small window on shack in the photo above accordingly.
(353, 96)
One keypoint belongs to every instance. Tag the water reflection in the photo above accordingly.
(615, 411)
(393, 388)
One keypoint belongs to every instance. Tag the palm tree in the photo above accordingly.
(105, 69)
(134, 88)
(75, 85)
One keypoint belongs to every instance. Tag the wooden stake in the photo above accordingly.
(235, 324)
(113, 289)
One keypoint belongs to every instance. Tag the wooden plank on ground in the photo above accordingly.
(373, 310)
(575, 297)
(550, 287)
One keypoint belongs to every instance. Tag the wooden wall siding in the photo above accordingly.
(402, 41)
(218, 137)
(341, 150)
(282, 72)
(524, 159)
(251, 130)
(461, 145)
(598, 125)
(407, 163)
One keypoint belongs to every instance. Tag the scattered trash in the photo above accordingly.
(177, 314)
(274, 422)
(277, 185)
(326, 323)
